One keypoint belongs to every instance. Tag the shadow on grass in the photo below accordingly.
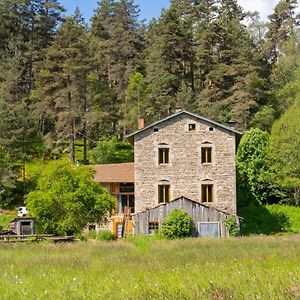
(257, 219)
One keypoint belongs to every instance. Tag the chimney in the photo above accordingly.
(141, 123)
(232, 124)
(178, 109)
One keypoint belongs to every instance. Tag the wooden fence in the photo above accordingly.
(13, 238)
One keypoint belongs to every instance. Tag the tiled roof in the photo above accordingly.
(114, 172)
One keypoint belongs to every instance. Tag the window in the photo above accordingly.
(206, 155)
(163, 155)
(211, 129)
(155, 129)
(207, 193)
(209, 229)
(126, 188)
(153, 227)
(126, 201)
(163, 193)
(192, 127)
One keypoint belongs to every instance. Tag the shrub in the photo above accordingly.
(232, 226)
(105, 235)
(177, 225)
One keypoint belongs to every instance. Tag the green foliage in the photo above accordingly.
(105, 235)
(134, 106)
(177, 225)
(264, 118)
(66, 199)
(269, 219)
(6, 217)
(251, 164)
(284, 154)
(232, 226)
(111, 151)
(292, 214)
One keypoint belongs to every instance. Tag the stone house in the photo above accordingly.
(182, 155)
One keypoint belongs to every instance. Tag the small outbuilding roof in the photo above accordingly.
(130, 136)
(116, 173)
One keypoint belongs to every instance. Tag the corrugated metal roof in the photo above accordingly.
(123, 172)
(187, 113)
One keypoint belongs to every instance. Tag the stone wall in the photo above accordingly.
(185, 173)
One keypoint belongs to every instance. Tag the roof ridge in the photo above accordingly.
(183, 111)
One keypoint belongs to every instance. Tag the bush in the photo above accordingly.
(177, 225)
(105, 235)
(232, 226)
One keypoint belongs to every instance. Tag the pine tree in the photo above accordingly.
(120, 47)
(233, 85)
(169, 58)
(62, 85)
(282, 23)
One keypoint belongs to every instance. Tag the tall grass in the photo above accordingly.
(244, 268)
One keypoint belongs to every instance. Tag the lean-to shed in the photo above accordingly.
(208, 220)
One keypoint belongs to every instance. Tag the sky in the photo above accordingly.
(152, 8)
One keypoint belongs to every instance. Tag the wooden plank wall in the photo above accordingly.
(197, 211)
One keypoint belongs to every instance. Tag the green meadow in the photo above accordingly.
(256, 267)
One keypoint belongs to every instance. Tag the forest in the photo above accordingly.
(69, 84)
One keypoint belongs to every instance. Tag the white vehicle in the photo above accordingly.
(22, 212)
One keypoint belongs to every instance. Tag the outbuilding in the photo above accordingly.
(208, 221)
(22, 226)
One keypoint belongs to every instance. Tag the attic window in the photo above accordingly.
(192, 127)
(155, 129)
(211, 129)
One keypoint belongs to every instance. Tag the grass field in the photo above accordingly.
(244, 268)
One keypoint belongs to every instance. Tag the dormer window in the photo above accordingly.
(163, 155)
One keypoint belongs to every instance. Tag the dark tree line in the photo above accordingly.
(62, 80)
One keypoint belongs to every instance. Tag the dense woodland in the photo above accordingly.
(64, 81)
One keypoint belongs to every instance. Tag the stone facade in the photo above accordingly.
(185, 172)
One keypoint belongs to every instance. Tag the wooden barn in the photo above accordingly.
(208, 221)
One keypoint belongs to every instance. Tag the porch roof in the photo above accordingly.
(114, 173)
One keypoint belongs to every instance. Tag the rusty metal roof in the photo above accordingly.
(123, 172)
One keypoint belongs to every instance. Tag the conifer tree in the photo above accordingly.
(62, 84)
(169, 58)
(119, 50)
(233, 85)
(282, 22)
